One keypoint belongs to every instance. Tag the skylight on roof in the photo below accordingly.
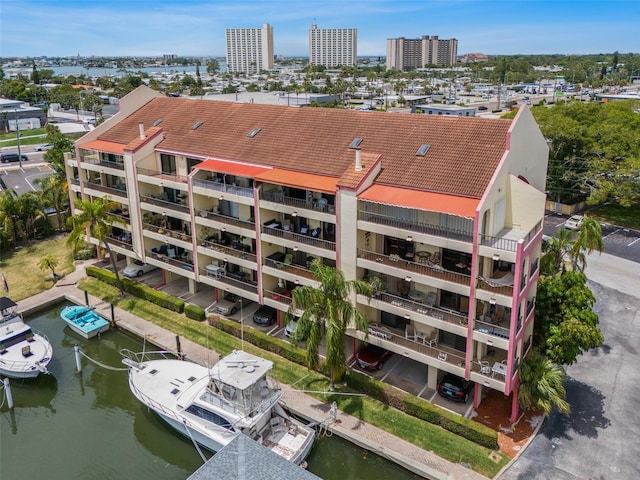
(422, 150)
(356, 142)
(157, 122)
(254, 132)
(196, 125)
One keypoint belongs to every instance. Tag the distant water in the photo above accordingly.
(100, 72)
(90, 426)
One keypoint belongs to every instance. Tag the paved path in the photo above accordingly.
(415, 459)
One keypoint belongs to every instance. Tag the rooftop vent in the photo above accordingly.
(254, 132)
(422, 150)
(196, 125)
(157, 122)
(356, 142)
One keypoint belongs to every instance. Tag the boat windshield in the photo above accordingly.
(209, 416)
(21, 336)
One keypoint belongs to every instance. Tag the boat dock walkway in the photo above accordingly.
(411, 457)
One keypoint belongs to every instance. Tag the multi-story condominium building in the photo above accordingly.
(332, 47)
(443, 214)
(249, 50)
(411, 53)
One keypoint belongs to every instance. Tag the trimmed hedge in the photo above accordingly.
(138, 289)
(195, 312)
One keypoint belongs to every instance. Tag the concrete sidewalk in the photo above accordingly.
(411, 457)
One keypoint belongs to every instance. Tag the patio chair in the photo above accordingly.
(433, 340)
(430, 301)
(442, 356)
(410, 333)
(485, 368)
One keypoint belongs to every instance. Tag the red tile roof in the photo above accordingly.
(463, 153)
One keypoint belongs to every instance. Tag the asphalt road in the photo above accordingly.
(600, 438)
(621, 242)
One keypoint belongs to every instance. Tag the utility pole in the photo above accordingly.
(18, 138)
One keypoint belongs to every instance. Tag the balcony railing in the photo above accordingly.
(177, 234)
(121, 217)
(123, 241)
(296, 237)
(500, 243)
(491, 329)
(103, 163)
(396, 336)
(120, 191)
(171, 176)
(279, 297)
(288, 267)
(164, 203)
(218, 217)
(248, 286)
(435, 271)
(421, 227)
(320, 205)
(185, 263)
(439, 313)
(232, 252)
(223, 187)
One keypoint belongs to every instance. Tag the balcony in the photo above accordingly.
(161, 176)
(296, 237)
(97, 161)
(229, 251)
(223, 188)
(119, 191)
(434, 271)
(282, 298)
(408, 305)
(174, 234)
(123, 240)
(395, 340)
(226, 220)
(491, 329)
(162, 203)
(419, 227)
(230, 279)
(319, 205)
(508, 238)
(120, 217)
(291, 268)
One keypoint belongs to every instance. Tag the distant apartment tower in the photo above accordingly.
(249, 50)
(332, 47)
(410, 53)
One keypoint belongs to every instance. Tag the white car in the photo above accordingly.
(574, 222)
(42, 148)
(137, 269)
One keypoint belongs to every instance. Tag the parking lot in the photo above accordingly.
(621, 242)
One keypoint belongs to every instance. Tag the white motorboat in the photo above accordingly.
(24, 353)
(211, 406)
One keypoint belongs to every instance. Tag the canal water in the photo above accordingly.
(89, 425)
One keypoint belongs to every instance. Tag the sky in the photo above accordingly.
(35, 28)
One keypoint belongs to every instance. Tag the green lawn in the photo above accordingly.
(20, 267)
(614, 214)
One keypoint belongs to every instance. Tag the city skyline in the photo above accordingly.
(34, 28)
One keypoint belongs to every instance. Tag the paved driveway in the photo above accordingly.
(600, 439)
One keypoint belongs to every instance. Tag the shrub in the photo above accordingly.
(85, 253)
(195, 312)
(466, 428)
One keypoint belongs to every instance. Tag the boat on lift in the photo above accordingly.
(212, 406)
(24, 353)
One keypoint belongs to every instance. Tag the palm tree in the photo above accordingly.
(94, 221)
(49, 261)
(589, 239)
(555, 251)
(327, 312)
(542, 385)
(53, 193)
(9, 218)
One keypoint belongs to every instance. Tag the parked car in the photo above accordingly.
(574, 222)
(12, 157)
(372, 357)
(229, 304)
(455, 388)
(265, 316)
(137, 269)
(43, 147)
(483, 107)
(290, 329)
